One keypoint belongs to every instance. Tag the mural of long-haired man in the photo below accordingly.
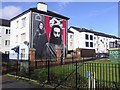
(56, 35)
(55, 41)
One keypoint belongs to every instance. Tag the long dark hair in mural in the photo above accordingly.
(39, 34)
(48, 32)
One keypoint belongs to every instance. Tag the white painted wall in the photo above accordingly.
(3, 37)
(79, 39)
(70, 41)
(18, 31)
(100, 43)
(76, 40)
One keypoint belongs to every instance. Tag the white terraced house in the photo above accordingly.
(32, 28)
(4, 36)
(88, 39)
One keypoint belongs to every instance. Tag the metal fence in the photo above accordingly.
(68, 75)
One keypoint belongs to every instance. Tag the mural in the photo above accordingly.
(48, 33)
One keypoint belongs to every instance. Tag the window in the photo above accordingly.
(6, 52)
(87, 44)
(91, 44)
(111, 44)
(106, 45)
(71, 44)
(16, 39)
(23, 37)
(6, 31)
(23, 24)
(94, 37)
(91, 37)
(86, 36)
(9, 31)
(70, 36)
(7, 42)
(22, 53)
(17, 24)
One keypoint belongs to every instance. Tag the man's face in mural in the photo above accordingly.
(56, 37)
(56, 32)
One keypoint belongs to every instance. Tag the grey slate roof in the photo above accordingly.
(94, 32)
(50, 13)
(4, 22)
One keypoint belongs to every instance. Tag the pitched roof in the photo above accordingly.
(70, 31)
(94, 32)
(4, 22)
(42, 12)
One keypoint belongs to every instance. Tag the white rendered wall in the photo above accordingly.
(3, 37)
(18, 31)
(79, 39)
(100, 43)
(70, 41)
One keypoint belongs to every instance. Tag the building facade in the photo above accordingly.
(40, 29)
(89, 39)
(4, 36)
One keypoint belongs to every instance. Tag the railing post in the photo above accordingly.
(48, 71)
(16, 68)
(7, 66)
(119, 71)
(35, 64)
(29, 68)
(76, 74)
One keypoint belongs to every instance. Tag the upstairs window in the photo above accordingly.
(71, 36)
(91, 37)
(22, 53)
(86, 36)
(17, 24)
(23, 23)
(16, 39)
(23, 37)
(94, 37)
(7, 31)
(7, 42)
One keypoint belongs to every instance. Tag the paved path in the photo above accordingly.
(8, 82)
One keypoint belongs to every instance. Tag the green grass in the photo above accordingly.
(105, 72)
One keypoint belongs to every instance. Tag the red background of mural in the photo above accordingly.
(48, 29)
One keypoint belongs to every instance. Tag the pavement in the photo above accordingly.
(12, 83)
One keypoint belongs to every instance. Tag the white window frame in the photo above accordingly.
(16, 39)
(17, 24)
(23, 53)
(23, 22)
(23, 37)
(7, 42)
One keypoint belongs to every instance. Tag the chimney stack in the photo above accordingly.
(42, 6)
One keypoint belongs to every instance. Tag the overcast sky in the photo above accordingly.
(99, 16)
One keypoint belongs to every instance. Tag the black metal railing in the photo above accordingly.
(67, 75)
